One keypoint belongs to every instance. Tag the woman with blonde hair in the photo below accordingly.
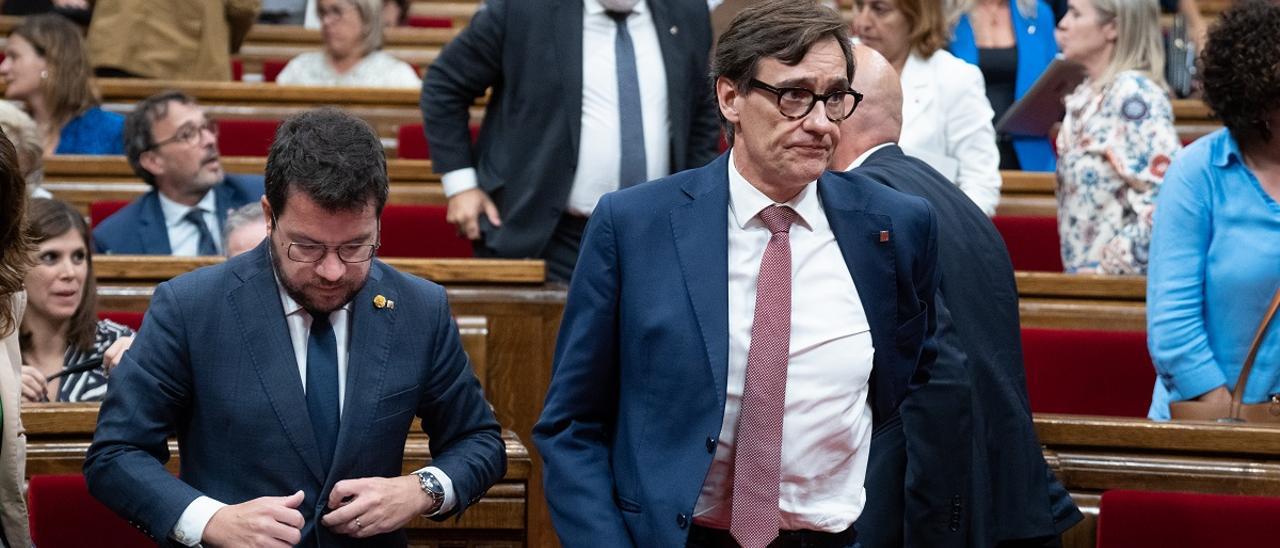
(352, 56)
(21, 131)
(15, 258)
(46, 67)
(1117, 138)
(946, 118)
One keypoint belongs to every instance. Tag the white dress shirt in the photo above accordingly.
(599, 140)
(826, 427)
(190, 527)
(184, 237)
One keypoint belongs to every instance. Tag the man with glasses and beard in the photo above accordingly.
(173, 147)
(291, 373)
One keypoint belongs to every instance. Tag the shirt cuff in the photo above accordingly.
(459, 180)
(446, 484)
(190, 527)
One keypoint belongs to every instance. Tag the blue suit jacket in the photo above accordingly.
(637, 397)
(213, 364)
(1036, 48)
(139, 229)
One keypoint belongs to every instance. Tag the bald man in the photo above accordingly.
(965, 467)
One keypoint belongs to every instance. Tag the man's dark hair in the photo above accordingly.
(138, 124)
(1241, 65)
(782, 29)
(332, 157)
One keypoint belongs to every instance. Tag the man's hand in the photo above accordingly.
(465, 209)
(371, 506)
(264, 521)
(111, 358)
(34, 387)
(1217, 396)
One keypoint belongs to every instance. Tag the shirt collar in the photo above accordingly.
(867, 154)
(593, 7)
(1225, 149)
(291, 306)
(746, 201)
(175, 213)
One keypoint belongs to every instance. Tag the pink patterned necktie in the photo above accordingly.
(757, 457)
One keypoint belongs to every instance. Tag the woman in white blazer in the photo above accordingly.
(15, 258)
(946, 118)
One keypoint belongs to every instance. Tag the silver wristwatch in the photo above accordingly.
(431, 486)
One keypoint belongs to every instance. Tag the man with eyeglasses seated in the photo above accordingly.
(291, 373)
(734, 335)
(173, 146)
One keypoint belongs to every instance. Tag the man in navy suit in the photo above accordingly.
(174, 148)
(291, 374)
(713, 307)
(964, 467)
(587, 96)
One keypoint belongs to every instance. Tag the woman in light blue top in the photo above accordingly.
(1215, 251)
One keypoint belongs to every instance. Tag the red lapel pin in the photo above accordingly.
(884, 236)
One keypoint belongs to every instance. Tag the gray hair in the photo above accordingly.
(22, 130)
(245, 215)
(370, 12)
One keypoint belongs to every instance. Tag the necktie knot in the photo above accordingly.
(319, 320)
(619, 17)
(778, 218)
(195, 215)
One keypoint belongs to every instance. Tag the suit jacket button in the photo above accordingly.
(711, 444)
(682, 520)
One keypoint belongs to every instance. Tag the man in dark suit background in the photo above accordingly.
(173, 147)
(578, 108)
(291, 373)
(964, 468)
(712, 307)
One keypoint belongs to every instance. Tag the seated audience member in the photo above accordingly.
(946, 119)
(1215, 248)
(63, 341)
(46, 68)
(1011, 42)
(246, 228)
(395, 13)
(352, 56)
(1117, 138)
(174, 148)
(22, 132)
(15, 259)
(150, 39)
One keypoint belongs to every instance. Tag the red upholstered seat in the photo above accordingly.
(1033, 242)
(424, 22)
(64, 515)
(411, 142)
(102, 209)
(237, 70)
(246, 137)
(271, 69)
(1146, 519)
(420, 231)
(132, 320)
(1088, 372)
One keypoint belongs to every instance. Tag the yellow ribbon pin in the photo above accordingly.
(380, 301)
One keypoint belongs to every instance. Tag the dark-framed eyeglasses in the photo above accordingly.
(189, 134)
(796, 103)
(314, 253)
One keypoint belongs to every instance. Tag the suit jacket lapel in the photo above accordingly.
(223, 201)
(265, 335)
(700, 229)
(568, 40)
(152, 230)
(857, 227)
(368, 355)
(918, 85)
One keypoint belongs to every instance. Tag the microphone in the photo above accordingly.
(78, 368)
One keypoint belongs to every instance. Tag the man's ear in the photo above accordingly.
(267, 215)
(151, 162)
(730, 101)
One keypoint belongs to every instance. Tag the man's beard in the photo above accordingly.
(297, 294)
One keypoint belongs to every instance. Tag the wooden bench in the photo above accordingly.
(1082, 301)
(58, 435)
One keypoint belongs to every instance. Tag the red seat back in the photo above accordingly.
(237, 70)
(1032, 241)
(1088, 372)
(411, 143)
(246, 137)
(424, 22)
(64, 515)
(420, 231)
(132, 320)
(271, 69)
(100, 210)
(1146, 519)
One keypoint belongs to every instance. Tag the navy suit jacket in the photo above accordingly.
(530, 53)
(213, 364)
(965, 467)
(636, 401)
(139, 228)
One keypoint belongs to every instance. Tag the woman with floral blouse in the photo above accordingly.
(1117, 138)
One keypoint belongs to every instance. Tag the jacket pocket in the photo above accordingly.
(626, 505)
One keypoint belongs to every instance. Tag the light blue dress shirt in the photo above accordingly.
(1215, 264)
